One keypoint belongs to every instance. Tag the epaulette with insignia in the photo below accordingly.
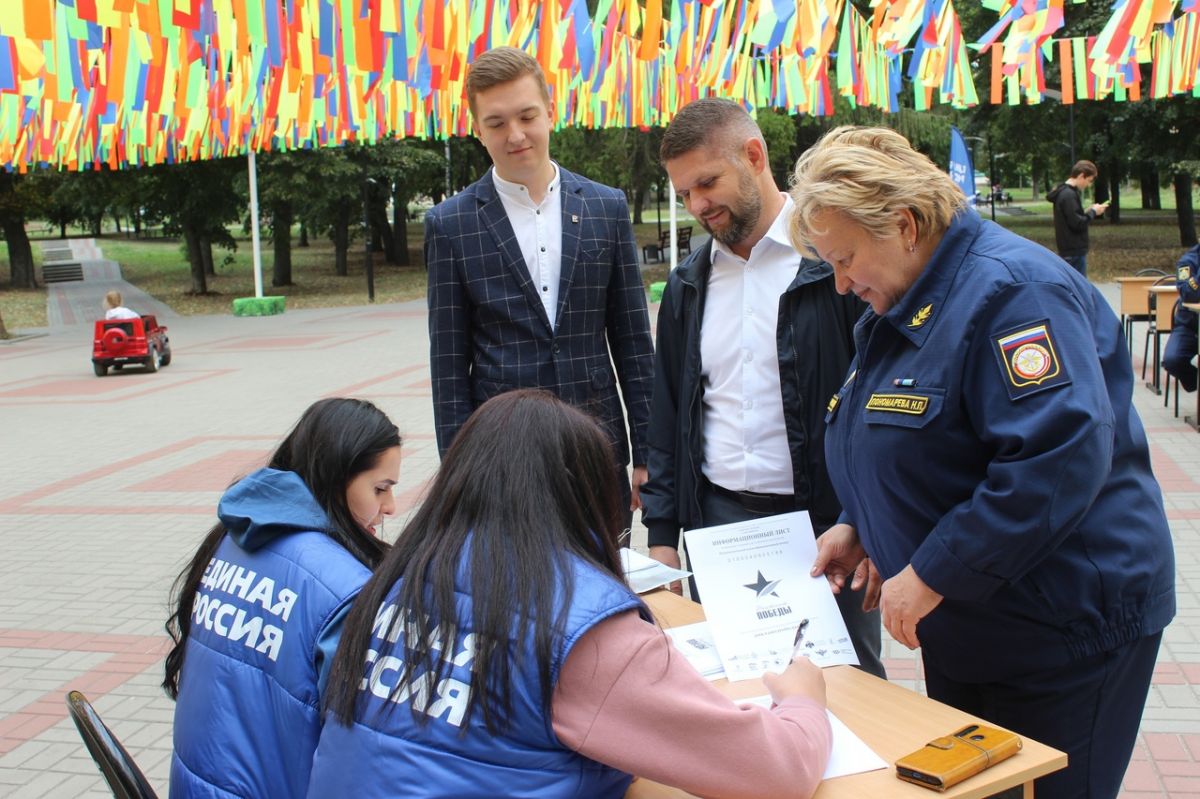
(922, 315)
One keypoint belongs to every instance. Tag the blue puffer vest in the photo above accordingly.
(247, 718)
(385, 753)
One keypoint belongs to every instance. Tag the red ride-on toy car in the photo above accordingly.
(141, 340)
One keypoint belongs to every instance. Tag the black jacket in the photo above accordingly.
(1070, 220)
(815, 344)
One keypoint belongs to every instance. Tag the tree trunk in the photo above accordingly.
(207, 255)
(62, 230)
(381, 232)
(1151, 189)
(400, 224)
(281, 238)
(341, 241)
(1183, 209)
(303, 234)
(1113, 214)
(1100, 186)
(137, 224)
(199, 280)
(3, 329)
(639, 199)
(20, 254)
(117, 219)
(97, 221)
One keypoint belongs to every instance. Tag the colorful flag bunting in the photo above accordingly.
(136, 82)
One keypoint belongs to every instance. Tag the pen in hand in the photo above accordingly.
(799, 640)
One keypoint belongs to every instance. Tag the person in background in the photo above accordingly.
(533, 276)
(989, 460)
(1070, 220)
(753, 340)
(1181, 346)
(497, 650)
(113, 309)
(259, 610)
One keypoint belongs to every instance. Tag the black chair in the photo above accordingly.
(1156, 330)
(657, 251)
(684, 239)
(124, 778)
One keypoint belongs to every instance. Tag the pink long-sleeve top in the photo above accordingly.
(625, 698)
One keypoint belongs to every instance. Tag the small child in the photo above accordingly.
(113, 309)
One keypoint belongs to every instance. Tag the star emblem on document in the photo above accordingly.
(763, 587)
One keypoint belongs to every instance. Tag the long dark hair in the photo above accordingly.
(531, 482)
(334, 441)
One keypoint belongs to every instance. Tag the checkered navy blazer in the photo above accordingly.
(488, 331)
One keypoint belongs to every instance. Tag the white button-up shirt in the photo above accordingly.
(745, 440)
(538, 228)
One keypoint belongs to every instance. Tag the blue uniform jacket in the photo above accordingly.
(265, 624)
(386, 753)
(1187, 281)
(986, 436)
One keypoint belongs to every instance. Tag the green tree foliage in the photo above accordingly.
(197, 200)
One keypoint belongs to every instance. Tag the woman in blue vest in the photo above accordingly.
(497, 650)
(989, 460)
(259, 610)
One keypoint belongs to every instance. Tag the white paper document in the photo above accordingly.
(644, 574)
(850, 754)
(756, 590)
(696, 643)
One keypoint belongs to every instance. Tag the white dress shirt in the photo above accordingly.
(745, 440)
(539, 234)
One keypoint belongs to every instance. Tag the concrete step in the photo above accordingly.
(62, 272)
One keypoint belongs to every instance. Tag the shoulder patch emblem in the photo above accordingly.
(1184, 273)
(1029, 359)
(922, 315)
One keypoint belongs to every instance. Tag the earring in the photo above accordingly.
(912, 246)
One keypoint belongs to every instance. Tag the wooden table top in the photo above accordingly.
(892, 720)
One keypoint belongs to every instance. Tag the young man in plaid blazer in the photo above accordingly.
(533, 276)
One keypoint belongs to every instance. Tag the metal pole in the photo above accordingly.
(1071, 125)
(370, 267)
(257, 250)
(992, 180)
(658, 207)
(674, 224)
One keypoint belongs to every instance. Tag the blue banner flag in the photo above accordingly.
(962, 170)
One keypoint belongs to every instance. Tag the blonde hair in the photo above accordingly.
(503, 65)
(869, 174)
(112, 299)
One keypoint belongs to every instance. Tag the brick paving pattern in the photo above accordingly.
(108, 484)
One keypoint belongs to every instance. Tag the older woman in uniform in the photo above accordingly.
(989, 460)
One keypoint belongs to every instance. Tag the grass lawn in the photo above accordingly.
(1144, 239)
(21, 308)
(158, 266)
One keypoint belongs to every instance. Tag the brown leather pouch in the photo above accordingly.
(949, 760)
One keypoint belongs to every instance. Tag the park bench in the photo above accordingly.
(657, 251)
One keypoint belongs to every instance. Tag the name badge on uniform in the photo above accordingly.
(1028, 359)
(912, 404)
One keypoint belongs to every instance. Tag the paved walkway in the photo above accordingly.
(108, 484)
(81, 302)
